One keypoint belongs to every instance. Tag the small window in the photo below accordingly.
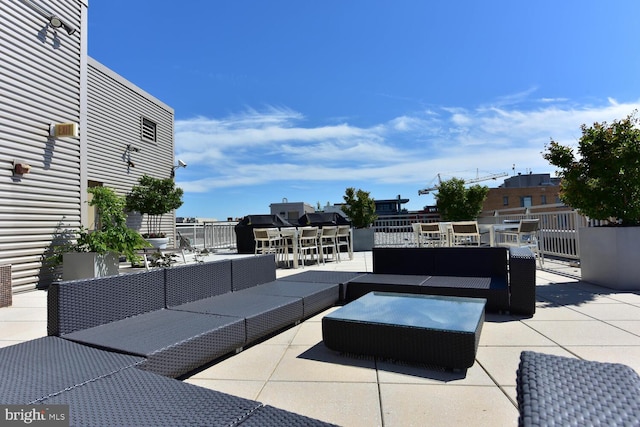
(148, 130)
(526, 202)
(505, 200)
(543, 199)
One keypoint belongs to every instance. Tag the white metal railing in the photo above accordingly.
(558, 235)
(209, 234)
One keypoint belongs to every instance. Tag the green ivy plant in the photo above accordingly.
(154, 197)
(359, 207)
(457, 203)
(603, 180)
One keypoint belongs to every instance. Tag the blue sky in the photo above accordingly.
(302, 99)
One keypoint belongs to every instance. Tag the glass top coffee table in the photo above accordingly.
(430, 329)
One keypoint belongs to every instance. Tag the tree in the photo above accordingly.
(457, 203)
(360, 207)
(154, 197)
(604, 181)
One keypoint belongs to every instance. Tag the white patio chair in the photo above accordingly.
(343, 239)
(308, 244)
(429, 234)
(525, 236)
(328, 242)
(267, 241)
(465, 233)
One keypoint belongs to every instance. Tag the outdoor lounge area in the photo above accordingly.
(292, 370)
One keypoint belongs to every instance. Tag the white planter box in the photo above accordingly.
(610, 256)
(84, 265)
(363, 239)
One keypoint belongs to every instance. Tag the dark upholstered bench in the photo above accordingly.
(562, 391)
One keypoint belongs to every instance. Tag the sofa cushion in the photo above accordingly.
(172, 342)
(35, 369)
(263, 314)
(315, 296)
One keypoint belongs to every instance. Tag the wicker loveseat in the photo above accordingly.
(504, 276)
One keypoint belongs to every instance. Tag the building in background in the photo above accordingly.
(523, 191)
(291, 211)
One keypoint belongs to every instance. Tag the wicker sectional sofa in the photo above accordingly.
(504, 276)
(164, 324)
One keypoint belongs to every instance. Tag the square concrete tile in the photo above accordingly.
(587, 333)
(502, 362)
(309, 334)
(556, 312)
(626, 355)
(420, 405)
(254, 363)
(284, 337)
(402, 373)
(628, 297)
(23, 314)
(344, 404)
(615, 311)
(318, 363)
(242, 388)
(632, 326)
(29, 299)
(512, 333)
(23, 331)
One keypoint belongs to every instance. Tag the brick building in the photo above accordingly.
(522, 191)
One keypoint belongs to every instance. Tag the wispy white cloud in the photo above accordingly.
(278, 144)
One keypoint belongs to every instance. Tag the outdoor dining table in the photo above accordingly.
(291, 233)
(492, 228)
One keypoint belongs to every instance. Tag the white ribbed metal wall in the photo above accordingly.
(46, 77)
(42, 80)
(115, 107)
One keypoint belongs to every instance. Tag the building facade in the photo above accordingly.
(46, 80)
(523, 191)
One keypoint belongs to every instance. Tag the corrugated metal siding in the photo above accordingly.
(115, 108)
(39, 84)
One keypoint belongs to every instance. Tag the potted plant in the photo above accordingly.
(361, 210)
(154, 197)
(94, 253)
(603, 183)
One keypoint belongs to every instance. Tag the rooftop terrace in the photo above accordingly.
(293, 370)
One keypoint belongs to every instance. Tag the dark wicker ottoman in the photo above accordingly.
(563, 391)
(434, 330)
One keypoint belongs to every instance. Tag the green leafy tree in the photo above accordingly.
(603, 182)
(359, 207)
(457, 203)
(154, 197)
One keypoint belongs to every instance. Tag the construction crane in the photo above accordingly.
(466, 181)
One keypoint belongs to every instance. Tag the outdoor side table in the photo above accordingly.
(434, 330)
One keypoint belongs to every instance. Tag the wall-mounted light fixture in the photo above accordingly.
(180, 164)
(54, 20)
(57, 23)
(20, 169)
(132, 148)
